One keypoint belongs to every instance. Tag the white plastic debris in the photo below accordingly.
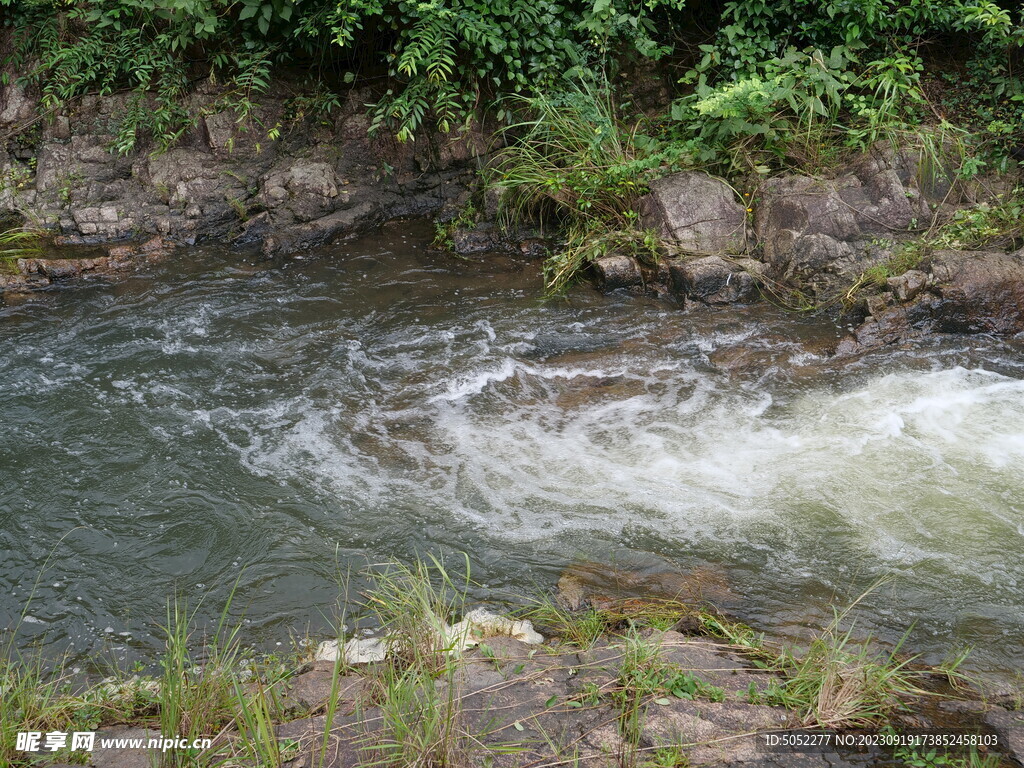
(116, 689)
(479, 624)
(326, 651)
(358, 650)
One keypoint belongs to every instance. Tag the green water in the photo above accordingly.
(215, 419)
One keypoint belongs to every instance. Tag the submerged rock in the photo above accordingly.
(38, 272)
(605, 586)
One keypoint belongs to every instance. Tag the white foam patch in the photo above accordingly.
(694, 458)
(917, 469)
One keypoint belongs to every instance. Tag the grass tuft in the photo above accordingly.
(17, 244)
(575, 166)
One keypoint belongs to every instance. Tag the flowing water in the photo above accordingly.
(214, 420)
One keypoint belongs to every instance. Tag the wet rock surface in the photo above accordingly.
(522, 705)
(952, 292)
(618, 270)
(713, 280)
(533, 704)
(40, 272)
(598, 585)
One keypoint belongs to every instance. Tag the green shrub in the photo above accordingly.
(444, 58)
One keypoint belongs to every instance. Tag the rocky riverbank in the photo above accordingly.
(826, 243)
(635, 670)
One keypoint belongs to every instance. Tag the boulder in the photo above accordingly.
(821, 234)
(313, 179)
(977, 292)
(712, 280)
(319, 231)
(617, 270)
(696, 213)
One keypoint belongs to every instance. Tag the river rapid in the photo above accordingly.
(216, 423)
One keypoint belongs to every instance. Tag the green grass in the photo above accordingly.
(913, 757)
(413, 605)
(194, 701)
(256, 711)
(842, 683)
(669, 756)
(581, 628)
(17, 244)
(421, 725)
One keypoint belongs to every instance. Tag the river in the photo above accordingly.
(216, 420)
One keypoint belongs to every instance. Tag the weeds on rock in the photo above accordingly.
(841, 683)
(645, 677)
(416, 687)
(414, 606)
(575, 166)
(581, 628)
(421, 723)
(996, 224)
(667, 757)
